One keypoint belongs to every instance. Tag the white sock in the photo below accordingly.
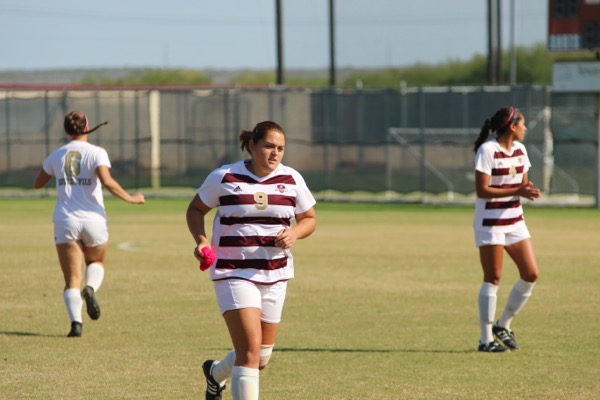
(244, 383)
(74, 303)
(487, 310)
(94, 275)
(221, 370)
(517, 298)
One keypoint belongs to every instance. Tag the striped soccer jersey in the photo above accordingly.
(506, 170)
(251, 211)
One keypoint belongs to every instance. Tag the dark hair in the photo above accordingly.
(76, 123)
(259, 132)
(499, 123)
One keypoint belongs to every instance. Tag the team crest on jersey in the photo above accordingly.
(281, 188)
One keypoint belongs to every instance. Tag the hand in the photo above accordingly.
(286, 238)
(138, 198)
(206, 255)
(529, 192)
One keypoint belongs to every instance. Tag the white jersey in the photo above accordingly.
(251, 211)
(79, 188)
(506, 170)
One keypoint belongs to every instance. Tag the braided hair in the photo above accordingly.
(499, 123)
(76, 123)
(259, 132)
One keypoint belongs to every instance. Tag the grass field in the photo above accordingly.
(383, 306)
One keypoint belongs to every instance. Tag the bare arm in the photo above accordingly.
(306, 223)
(195, 222)
(115, 189)
(41, 180)
(484, 191)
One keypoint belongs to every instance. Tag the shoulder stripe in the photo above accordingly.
(515, 153)
(237, 178)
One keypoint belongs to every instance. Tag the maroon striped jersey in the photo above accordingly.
(251, 211)
(506, 170)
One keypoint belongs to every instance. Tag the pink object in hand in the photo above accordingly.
(209, 256)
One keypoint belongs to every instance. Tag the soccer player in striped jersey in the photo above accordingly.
(263, 207)
(501, 179)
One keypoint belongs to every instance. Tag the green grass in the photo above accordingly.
(383, 306)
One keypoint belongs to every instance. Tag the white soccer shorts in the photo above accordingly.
(90, 233)
(501, 239)
(233, 294)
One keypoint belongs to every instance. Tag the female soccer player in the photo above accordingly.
(258, 200)
(80, 231)
(501, 166)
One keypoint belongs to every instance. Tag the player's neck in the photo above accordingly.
(506, 142)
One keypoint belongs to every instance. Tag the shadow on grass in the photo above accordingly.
(334, 350)
(13, 333)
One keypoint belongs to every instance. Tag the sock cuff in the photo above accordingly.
(524, 287)
(244, 371)
(488, 289)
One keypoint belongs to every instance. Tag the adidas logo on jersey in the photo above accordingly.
(237, 189)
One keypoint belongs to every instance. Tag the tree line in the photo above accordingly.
(533, 67)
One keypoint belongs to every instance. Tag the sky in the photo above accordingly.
(241, 34)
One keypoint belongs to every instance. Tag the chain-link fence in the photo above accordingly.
(411, 143)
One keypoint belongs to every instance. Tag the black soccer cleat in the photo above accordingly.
(492, 347)
(505, 336)
(213, 388)
(76, 329)
(93, 308)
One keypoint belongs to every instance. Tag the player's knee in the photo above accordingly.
(265, 355)
(531, 276)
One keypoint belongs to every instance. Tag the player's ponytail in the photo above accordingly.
(97, 126)
(499, 123)
(76, 123)
(245, 137)
(483, 134)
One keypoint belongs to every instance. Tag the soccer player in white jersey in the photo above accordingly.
(501, 179)
(80, 232)
(263, 207)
